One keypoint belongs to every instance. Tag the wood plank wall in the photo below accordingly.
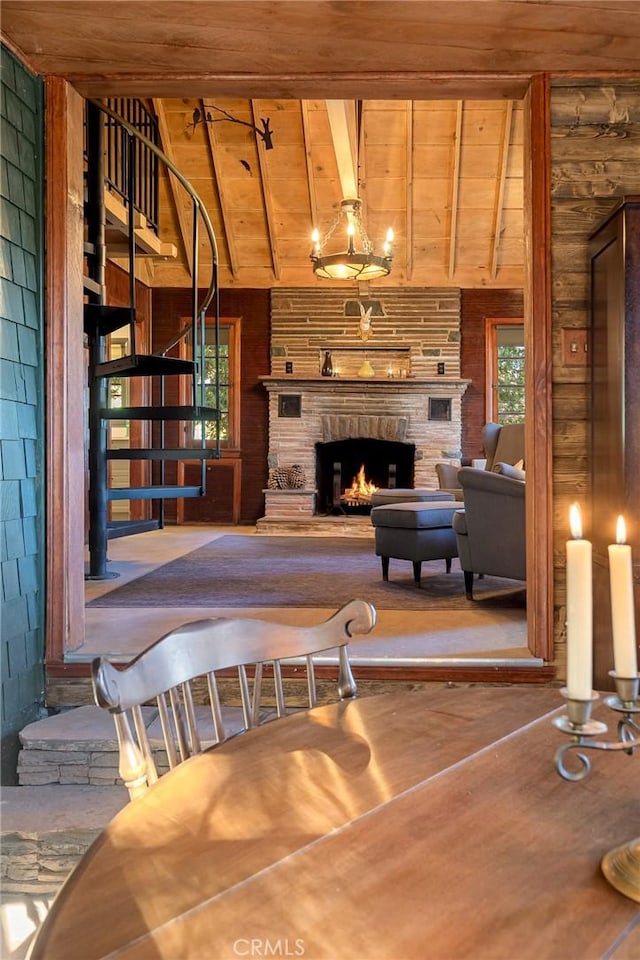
(252, 306)
(595, 158)
(476, 307)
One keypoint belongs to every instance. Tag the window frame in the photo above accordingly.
(492, 385)
(232, 443)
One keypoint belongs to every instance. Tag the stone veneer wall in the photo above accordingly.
(412, 332)
(368, 406)
(421, 324)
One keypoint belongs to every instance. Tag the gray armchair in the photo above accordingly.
(447, 474)
(501, 443)
(490, 531)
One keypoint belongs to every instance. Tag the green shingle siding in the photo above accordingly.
(21, 405)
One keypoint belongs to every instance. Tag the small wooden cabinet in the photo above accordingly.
(615, 410)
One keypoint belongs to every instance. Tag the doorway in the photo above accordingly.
(66, 620)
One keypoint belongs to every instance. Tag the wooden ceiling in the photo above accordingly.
(445, 175)
(441, 156)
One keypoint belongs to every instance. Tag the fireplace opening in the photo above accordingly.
(347, 470)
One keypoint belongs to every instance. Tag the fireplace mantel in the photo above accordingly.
(443, 385)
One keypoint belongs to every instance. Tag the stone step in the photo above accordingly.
(46, 830)
(76, 746)
(79, 746)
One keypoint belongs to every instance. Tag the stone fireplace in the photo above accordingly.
(398, 422)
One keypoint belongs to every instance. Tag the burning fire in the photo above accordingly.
(361, 488)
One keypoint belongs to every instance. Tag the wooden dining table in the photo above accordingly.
(429, 825)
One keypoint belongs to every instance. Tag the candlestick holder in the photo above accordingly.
(621, 866)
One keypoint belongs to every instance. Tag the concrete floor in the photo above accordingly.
(402, 638)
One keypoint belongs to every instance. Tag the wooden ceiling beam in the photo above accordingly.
(266, 192)
(500, 186)
(176, 190)
(455, 188)
(225, 212)
(342, 121)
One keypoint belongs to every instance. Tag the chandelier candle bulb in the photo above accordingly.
(579, 611)
(625, 656)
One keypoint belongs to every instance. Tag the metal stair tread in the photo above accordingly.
(159, 492)
(166, 453)
(160, 413)
(143, 365)
(124, 528)
(102, 319)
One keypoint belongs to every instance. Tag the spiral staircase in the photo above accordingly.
(122, 157)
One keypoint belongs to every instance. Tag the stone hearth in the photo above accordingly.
(320, 409)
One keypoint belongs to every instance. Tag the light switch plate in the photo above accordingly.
(574, 347)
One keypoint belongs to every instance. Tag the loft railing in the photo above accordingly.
(118, 157)
(198, 206)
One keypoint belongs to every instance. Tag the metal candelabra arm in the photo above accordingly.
(620, 866)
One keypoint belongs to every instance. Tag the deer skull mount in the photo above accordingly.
(364, 326)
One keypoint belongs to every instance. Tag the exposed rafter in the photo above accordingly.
(227, 219)
(500, 186)
(266, 192)
(409, 191)
(306, 133)
(455, 188)
(428, 166)
(177, 193)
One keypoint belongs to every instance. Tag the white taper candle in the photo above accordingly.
(579, 611)
(625, 656)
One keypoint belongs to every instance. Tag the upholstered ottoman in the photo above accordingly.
(406, 495)
(416, 531)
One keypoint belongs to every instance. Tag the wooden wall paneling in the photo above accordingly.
(538, 429)
(476, 306)
(65, 369)
(253, 306)
(615, 399)
(595, 128)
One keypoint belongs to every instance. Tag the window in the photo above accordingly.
(224, 364)
(118, 392)
(505, 371)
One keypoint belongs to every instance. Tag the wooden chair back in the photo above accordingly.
(165, 673)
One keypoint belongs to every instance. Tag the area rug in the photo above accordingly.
(257, 571)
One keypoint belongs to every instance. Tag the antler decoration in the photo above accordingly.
(265, 134)
(364, 330)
